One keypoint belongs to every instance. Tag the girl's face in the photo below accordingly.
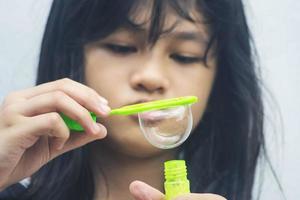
(125, 69)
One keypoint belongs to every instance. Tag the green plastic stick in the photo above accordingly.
(154, 105)
(137, 108)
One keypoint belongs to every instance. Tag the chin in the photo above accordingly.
(137, 147)
(128, 141)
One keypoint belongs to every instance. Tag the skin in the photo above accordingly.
(32, 132)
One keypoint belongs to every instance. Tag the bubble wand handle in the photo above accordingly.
(137, 108)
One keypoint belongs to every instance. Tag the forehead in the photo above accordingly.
(164, 18)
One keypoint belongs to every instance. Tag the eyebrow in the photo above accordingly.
(189, 36)
(179, 35)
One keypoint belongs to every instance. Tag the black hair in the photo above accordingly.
(223, 151)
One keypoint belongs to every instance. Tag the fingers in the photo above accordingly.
(70, 97)
(32, 130)
(58, 101)
(143, 191)
(53, 124)
(77, 140)
(29, 129)
(194, 196)
(84, 95)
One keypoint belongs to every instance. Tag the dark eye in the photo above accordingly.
(185, 59)
(121, 49)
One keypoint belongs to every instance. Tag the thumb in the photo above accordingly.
(143, 191)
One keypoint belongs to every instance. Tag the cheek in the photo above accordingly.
(198, 83)
(105, 76)
(198, 109)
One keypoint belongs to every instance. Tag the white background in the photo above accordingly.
(275, 25)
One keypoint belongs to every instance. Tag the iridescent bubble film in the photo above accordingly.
(167, 128)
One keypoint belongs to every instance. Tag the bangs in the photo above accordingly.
(94, 20)
(157, 18)
(100, 21)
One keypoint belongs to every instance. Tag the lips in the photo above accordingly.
(135, 117)
(142, 100)
(138, 101)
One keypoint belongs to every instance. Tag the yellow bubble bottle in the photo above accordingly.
(176, 182)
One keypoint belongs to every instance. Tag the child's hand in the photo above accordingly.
(32, 131)
(143, 191)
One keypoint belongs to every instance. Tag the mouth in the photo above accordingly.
(139, 101)
(135, 117)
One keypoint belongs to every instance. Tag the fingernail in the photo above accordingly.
(103, 100)
(95, 127)
(60, 146)
(104, 108)
(144, 194)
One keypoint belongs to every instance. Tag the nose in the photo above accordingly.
(150, 77)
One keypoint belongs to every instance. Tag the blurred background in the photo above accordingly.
(276, 29)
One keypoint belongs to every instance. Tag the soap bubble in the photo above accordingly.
(167, 128)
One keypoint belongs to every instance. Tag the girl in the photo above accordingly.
(102, 54)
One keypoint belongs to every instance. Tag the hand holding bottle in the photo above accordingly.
(143, 191)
